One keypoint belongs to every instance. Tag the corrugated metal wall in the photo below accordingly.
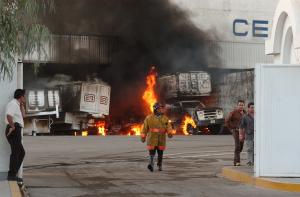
(240, 55)
(234, 86)
(74, 49)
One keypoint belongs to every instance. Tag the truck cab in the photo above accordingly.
(208, 120)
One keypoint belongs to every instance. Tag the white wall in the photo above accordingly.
(284, 43)
(217, 18)
(7, 89)
(277, 132)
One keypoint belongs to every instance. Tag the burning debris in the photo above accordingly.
(101, 128)
(101, 131)
(135, 129)
(187, 124)
(84, 133)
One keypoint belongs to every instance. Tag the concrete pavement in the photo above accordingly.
(116, 166)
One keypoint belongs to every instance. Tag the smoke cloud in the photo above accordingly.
(148, 32)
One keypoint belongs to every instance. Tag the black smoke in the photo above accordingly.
(148, 32)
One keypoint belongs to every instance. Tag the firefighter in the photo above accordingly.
(156, 127)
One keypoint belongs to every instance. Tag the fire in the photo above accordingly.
(150, 98)
(173, 131)
(135, 129)
(187, 121)
(101, 128)
(149, 95)
(101, 131)
(84, 133)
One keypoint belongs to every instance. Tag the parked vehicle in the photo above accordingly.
(185, 94)
(78, 106)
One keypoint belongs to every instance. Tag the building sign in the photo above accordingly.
(242, 27)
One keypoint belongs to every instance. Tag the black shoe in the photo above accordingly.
(159, 167)
(19, 180)
(150, 167)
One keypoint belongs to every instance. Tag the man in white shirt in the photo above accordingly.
(15, 112)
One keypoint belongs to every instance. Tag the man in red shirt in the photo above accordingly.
(233, 122)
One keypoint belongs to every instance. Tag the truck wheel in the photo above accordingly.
(215, 129)
(206, 131)
(225, 131)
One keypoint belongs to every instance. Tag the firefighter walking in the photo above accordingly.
(155, 129)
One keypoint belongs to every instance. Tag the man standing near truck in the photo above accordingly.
(247, 133)
(156, 127)
(233, 123)
(15, 112)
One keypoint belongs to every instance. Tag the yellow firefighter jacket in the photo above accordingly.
(155, 129)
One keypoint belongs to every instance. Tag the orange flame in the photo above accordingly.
(101, 128)
(135, 129)
(187, 121)
(149, 95)
(173, 131)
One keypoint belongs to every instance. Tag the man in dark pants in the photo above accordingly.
(15, 112)
(233, 123)
(247, 132)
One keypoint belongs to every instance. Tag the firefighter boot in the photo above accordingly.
(159, 162)
(151, 163)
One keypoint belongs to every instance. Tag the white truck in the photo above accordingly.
(186, 93)
(67, 108)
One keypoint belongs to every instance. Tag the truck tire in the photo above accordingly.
(225, 131)
(215, 129)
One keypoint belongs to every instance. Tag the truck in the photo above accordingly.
(185, 94)
(72, 107)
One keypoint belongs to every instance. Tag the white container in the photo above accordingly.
(93, 98)
(195, 83)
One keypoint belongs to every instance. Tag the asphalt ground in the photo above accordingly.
(116, 166)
